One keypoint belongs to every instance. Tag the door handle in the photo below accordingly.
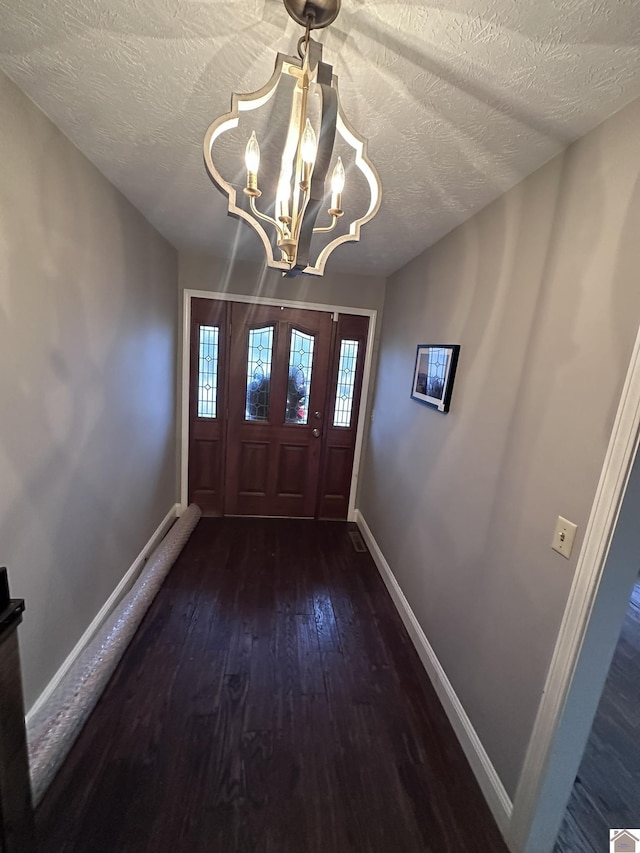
(316, 433)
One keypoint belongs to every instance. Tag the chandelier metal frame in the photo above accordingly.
(306, 158)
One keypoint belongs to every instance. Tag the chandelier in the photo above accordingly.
(284, 190)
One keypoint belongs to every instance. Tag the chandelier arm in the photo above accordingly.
(327, 228)
(264, 217)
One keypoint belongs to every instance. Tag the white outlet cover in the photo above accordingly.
(563, 536)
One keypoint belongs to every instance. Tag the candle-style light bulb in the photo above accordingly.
(252, 155)
(309, 144)
(337, 185)
(252, 162)
(338, 177)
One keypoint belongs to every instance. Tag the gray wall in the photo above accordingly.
(541, 291)
(204, 272)
(88, 317)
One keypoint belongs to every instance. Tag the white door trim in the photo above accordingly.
(542, 770)
(189, 294)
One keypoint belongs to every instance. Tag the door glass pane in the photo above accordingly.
(346, 383)
(208, 371)
(259, 356)
(300, 364)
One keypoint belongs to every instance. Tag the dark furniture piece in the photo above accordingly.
(16, 814)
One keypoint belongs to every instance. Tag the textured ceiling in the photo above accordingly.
(459, 99)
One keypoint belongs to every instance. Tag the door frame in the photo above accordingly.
(190, 294)
(593, 616)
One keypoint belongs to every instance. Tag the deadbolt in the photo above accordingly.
(317, 415)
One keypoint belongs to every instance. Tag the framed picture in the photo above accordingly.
(434, 373)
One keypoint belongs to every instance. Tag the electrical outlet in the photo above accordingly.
(563, 536)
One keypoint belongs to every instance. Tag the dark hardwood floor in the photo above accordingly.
(271, 701)
(606, 793)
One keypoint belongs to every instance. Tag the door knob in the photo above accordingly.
(316, 433)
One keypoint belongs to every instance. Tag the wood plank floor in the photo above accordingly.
(606, 793)
(271, 702)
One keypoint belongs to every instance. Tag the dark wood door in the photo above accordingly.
(273, 409)
(279, 369)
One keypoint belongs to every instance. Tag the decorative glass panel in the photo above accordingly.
(259, 356)
(346, 383)
(208, 371)
(300, 364)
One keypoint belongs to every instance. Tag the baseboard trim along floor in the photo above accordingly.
(494, 792)
(107, 608)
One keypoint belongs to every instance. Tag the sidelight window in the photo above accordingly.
(208, 371)
(259, 358)
(346, 383)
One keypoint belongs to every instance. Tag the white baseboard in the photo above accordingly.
(107, 608)
(484, 771)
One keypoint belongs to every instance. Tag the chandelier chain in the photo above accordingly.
(303, 41)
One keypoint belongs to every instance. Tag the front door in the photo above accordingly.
(274, 404)
(279, 369)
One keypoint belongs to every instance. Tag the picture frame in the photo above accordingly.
(434, 373)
